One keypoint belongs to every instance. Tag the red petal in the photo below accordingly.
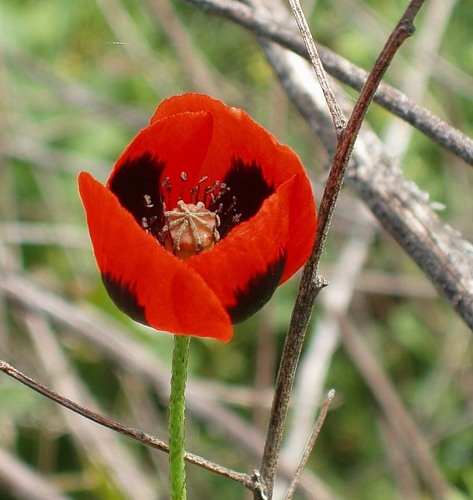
(245, 268)
(169, 295)
(179, 142)
(302, 225)
(236, 135)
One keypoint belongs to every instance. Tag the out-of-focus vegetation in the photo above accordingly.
(77, 81)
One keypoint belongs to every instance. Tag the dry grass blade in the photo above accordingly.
(339, 119)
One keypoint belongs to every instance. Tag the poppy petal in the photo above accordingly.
(248, 190)
(237, 137)
(146, 281)
(244, 269)
(167, 148)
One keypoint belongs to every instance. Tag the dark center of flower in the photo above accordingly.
(155, 203)
(195, 226)
(190, 229)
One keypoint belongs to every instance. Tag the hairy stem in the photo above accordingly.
(177, 409)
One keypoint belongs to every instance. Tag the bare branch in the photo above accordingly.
(416, 78)
(339, 120)
(310, 282)
(109, 339)
(136, 434)
(387, 96)
(324, 337)
(402, 209)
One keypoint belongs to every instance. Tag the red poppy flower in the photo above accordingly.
(203, 216)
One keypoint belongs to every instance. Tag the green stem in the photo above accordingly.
(177, 409)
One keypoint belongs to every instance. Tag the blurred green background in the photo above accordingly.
(78, 79)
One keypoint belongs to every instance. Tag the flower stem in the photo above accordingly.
(177, 408)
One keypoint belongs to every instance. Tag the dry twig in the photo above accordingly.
(136, 434)
(387, 96)
(311, 283)
(310, 445)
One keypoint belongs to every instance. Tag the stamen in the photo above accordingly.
(195, 191)
(184, 180)
(209, 191)
(230, 207)
(167, 187)
(192, 226)
(148, 201)
(212, 188)
(166, 184)
(194, 194)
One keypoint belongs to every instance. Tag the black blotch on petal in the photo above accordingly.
(124, 299)
(248, 188)
(136, 178)
(257, 291)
